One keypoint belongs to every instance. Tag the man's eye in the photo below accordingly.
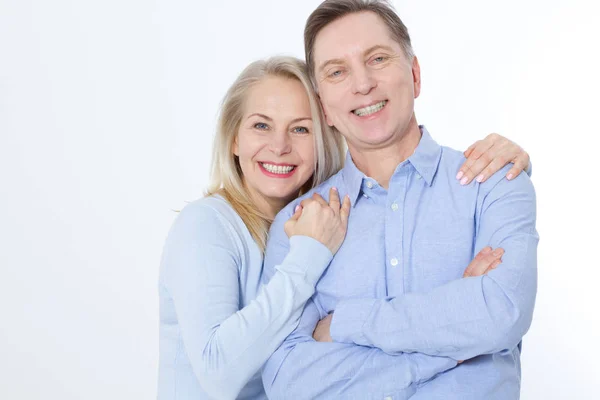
(379, 59)
(336, 73)
(261, 125)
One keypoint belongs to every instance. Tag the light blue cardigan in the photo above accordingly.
(218, 325)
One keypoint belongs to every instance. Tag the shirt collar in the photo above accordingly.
(425, 160)
(353, 178)
(426, 157)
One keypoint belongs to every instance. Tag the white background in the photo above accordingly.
(107, 113)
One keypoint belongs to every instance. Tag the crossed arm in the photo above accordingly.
(302, 368)
(466, 317)
(408, 338)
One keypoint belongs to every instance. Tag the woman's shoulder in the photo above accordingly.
(213, 216)
(212, 210)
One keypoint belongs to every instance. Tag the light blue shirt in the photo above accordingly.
(217, 324)
(402, 311)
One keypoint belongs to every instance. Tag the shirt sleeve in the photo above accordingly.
(227, 345)
(466, 317)
(302, 368)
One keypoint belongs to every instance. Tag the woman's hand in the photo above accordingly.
(487, 156)
(325, 222)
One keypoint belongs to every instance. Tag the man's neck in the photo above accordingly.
(381, 163)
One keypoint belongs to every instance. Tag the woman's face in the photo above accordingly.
(275, 142)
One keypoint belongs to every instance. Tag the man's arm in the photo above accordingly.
(304, 369)
(466, 317)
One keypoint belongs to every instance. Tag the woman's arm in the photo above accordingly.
(227, 345)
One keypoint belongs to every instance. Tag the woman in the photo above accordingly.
(217, 324)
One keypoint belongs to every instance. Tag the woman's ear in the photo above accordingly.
(236, 150)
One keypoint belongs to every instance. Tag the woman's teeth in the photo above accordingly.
(361, 112)
(278, 169)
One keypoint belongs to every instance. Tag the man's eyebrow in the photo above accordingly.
(340, 61)
(260, 115)
(330, 62)
(378, 47)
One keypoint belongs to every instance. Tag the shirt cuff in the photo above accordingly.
(307, 256)
(349, 318)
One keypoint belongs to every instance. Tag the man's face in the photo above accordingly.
(366, 83)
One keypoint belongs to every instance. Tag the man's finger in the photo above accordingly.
(478, 258)
(481, 266)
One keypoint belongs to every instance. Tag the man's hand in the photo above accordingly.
(485, 261)
(322, 332)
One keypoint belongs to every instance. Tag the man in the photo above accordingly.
(394, 301)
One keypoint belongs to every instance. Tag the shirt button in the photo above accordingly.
(419, 176)
(394, 207)
(388, 398)
(370, 185)
(394, 262)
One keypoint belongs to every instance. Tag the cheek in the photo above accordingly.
(306, 151)
(247, 148)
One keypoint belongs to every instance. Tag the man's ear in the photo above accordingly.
(416, 71)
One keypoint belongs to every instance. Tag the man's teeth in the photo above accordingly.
(361, 112)
(278, 169)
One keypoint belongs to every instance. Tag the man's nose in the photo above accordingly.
(363, 81)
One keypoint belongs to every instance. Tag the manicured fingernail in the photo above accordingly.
(479, 178)
(459, 175)
(497, 252)
(297, 208)
(464, 181)
(509, 176)
(334, 188)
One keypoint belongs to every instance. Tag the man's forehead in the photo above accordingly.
(350, 35)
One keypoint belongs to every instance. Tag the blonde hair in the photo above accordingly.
(226, 174)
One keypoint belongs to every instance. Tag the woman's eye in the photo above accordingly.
(300, 129)
(336, 73)
(261, 125)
